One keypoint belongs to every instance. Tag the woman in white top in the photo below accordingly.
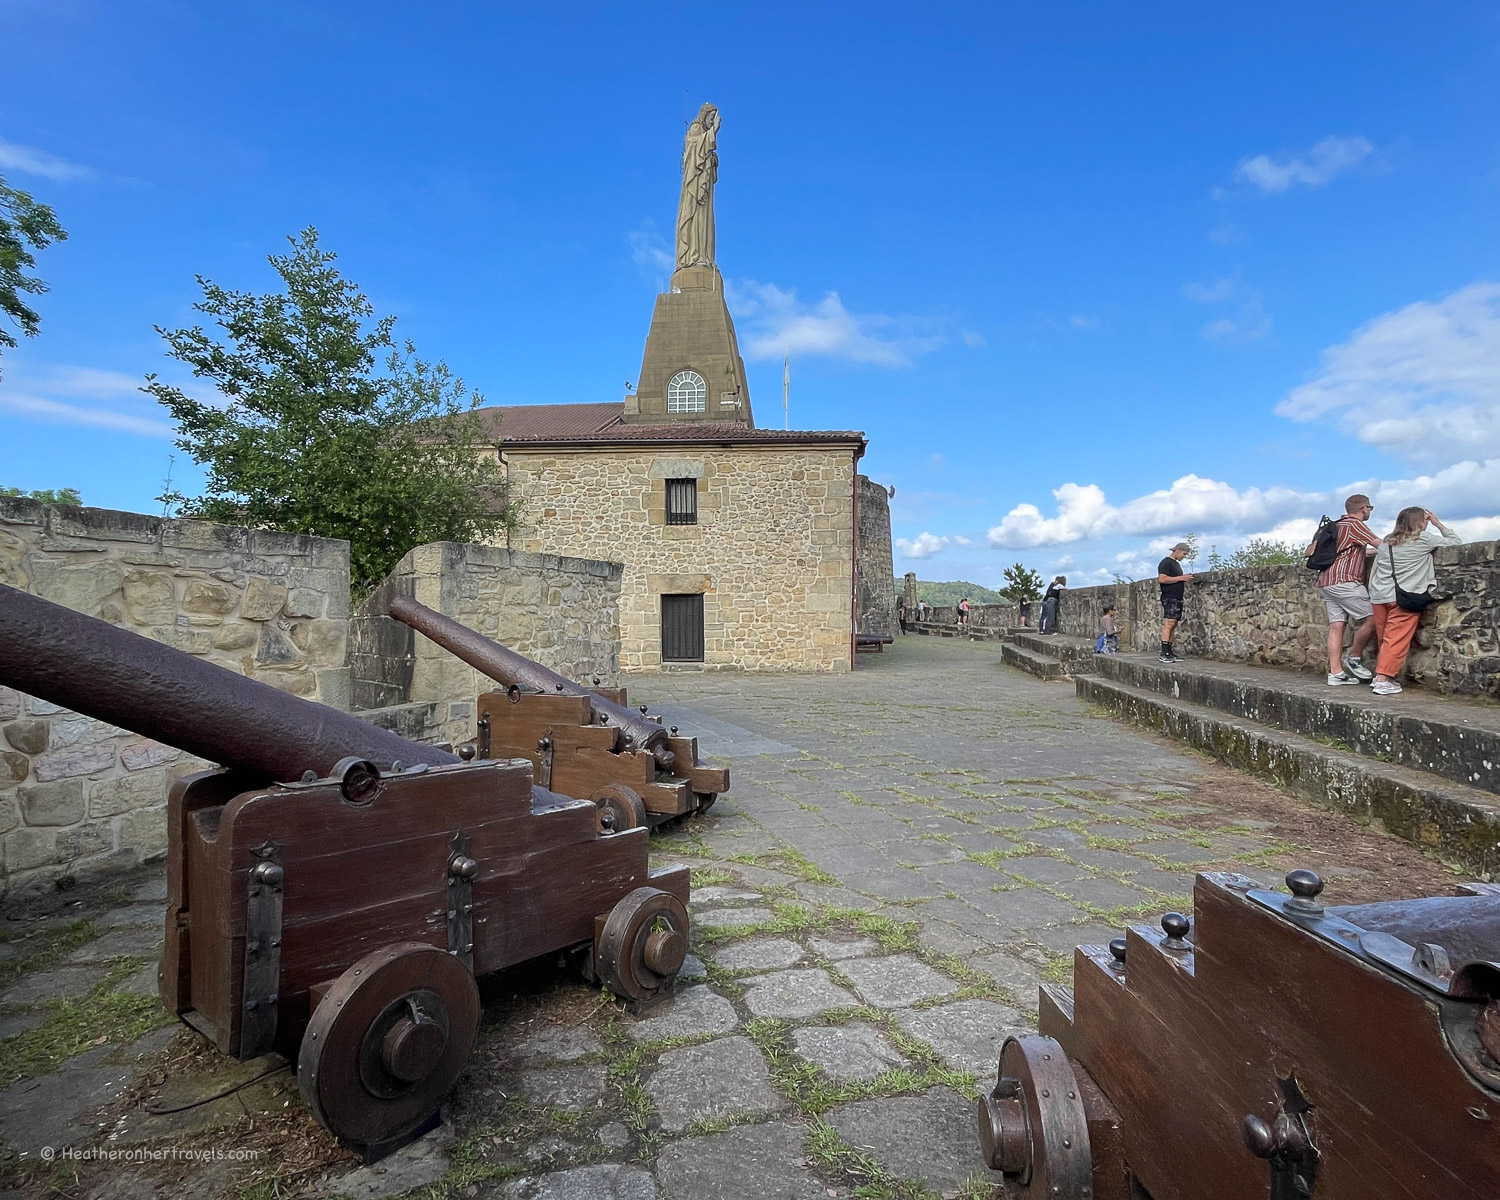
(1404, 559)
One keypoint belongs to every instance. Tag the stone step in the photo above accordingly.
(1043, 666)
(1460, 824)
(1453, 738)
(974, 633)
(1076, 654)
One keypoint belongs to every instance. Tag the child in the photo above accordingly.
(1109, 633)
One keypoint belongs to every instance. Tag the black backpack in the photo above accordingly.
(1325, 546)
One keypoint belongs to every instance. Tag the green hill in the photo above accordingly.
(941, 595)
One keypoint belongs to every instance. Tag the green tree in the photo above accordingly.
(60, 497)
(25, 225)
(1022, 584)
(312, 436)
(1258, 552)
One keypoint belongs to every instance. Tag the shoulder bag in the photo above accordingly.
(1406, 601)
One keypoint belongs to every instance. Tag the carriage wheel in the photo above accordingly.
(643, 943)
(1032, 1125)
(387, 1043)
(620, 808)
(705, 801)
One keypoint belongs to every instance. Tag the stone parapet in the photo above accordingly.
(77, 796)
(563, 612)
(1274, 616)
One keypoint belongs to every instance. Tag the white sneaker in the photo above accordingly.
(1341, 680)
(1385, 687)
(1353, 666)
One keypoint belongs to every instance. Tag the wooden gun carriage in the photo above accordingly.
(582, 742)
(1272, 1046)
(333, 891)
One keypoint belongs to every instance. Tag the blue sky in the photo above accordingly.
(1089, 276)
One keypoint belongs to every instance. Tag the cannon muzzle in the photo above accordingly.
(116, 676)
(510, 669)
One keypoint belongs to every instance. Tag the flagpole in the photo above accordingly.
(786, 387)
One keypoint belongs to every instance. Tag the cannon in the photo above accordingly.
(334, 889)
(1271, 1046)
(583, 742)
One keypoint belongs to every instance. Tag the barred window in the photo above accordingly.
(682, 502)
(687, 393)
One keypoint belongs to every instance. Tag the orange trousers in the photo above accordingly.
(1395, 627)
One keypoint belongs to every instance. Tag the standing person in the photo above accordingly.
(963, 611)
(921, 610)
(901, 614)
(1048, 623)
(1173, 581)
(1404, 562)
(1345, 598)
(1025, 612)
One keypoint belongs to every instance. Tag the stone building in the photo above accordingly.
(740, 545)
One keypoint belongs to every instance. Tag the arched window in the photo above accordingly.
(687, 393)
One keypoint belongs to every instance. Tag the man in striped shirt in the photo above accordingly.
(1345, 597)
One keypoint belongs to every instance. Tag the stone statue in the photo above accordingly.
(700, 169)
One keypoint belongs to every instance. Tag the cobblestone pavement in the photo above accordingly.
(904, 854)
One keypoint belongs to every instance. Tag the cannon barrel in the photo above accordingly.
(510, 669)
(116, 676)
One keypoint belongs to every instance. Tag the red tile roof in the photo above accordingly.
(603, 424)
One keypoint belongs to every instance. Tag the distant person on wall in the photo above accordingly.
(1173, 582)
(963, 611)
(1345, 597)
(921, 610)
(1401, 582)
(1109, 633)
(1048, 622)
(1025, 612)
(901, 614)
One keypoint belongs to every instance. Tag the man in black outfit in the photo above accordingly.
(1170, 575)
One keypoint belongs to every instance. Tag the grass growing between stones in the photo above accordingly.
(788, 862)
(827, 1150)
(703, 877)
(814, 1093)
(46, 949)
(103, 1016)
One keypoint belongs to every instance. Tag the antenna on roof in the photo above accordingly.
(786, 388)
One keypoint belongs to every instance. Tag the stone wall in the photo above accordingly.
(1273, 615)
(78, 796)
(875, 599)
(991, 616)
(562, 612)
(772, 553)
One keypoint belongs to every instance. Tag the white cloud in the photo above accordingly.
(1323, 162)
(651, 254)
(973, 339)
(1463, 491)
(777, 323)
(925, 545)
(1080, 321)
(1209, 293)
(31, 161)
(84, 396)
(1422, 382)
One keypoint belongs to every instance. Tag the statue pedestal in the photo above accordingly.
(691, 330)
(701, 278)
